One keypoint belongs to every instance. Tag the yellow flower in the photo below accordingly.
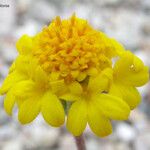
(29, 86)
(94, 106)
(70, 62)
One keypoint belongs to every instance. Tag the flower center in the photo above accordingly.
(72, 48)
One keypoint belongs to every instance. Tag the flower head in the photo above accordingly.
(72, 62)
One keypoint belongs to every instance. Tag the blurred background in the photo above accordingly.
(126, 20)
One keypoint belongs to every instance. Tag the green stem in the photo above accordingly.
(80, 143)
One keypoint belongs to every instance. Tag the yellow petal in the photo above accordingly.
(138, 64)
(33, 68)
(101, 82)
(52, 110)
(10, 80)
(133, 78)
(124, 62)
(9, 102)
(128, 93)
(138, 78)
(113, 90)
(22, 64)
(24, 88)
(77, 118)
(98, 123)
(92, 72)
(130, 70)
(58, 86)
(81, 76)
(24, 45)
(112, 107)
(69, 97)
(26, 65)
(40, 76)
(75, 88)
(29, 110)
(20, 101)
(119, 49)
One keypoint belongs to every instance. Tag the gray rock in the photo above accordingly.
(125, 132)
(14, 144)
(67, 142)
(142, 142)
